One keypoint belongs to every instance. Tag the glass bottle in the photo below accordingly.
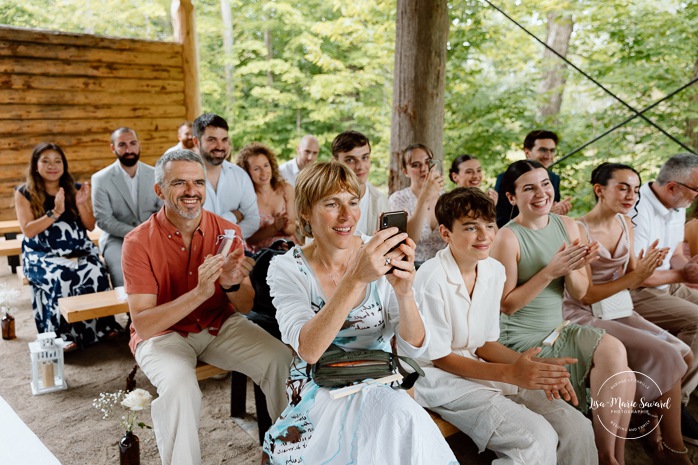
(8, 326)
(129, 449)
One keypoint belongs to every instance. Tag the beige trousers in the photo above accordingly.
(169, 362)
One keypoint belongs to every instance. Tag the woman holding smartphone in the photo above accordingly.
(335, 291)
(418, 200)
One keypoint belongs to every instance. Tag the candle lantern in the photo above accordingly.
(47, 364)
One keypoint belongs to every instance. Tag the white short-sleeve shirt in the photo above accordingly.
(458, 324)
(655, 221)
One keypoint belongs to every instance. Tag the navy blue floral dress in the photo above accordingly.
(62, 261)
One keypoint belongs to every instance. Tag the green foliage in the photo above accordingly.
(323, 66)
(639, 50)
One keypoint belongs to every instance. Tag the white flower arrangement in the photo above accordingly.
(133, 402)
(8, 298)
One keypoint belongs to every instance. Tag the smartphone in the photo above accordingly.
(396, 219)
(435, 165)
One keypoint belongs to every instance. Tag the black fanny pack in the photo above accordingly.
(338, 368)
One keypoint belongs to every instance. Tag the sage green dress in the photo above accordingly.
(529, 326)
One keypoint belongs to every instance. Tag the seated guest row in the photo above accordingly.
(335, 290)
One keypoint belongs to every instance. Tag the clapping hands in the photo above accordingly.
(572, 257)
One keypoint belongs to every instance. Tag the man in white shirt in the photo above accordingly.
(493, 394)
(306, 154)
(186, 138)
(660, 214)
(122, 198)
(229, 190)
(354, 150)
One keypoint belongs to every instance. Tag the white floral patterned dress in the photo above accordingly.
(378, 425)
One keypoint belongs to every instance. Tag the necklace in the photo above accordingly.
(327, 269)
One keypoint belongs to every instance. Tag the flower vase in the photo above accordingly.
(8, 326)
(129, 449)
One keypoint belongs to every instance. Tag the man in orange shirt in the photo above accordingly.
(183, 299)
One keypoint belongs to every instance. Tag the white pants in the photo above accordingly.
(169, 362)
(525, 428)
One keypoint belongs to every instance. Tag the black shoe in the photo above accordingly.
(689, 427)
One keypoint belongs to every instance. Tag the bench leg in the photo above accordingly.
(263, 419)
(13, 260)
(238, 394)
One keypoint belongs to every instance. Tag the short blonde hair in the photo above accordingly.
(317, 181)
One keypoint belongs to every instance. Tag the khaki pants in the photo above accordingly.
(676, 310)
(169, 362)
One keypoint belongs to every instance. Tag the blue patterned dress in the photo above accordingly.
(378, 425)
(62, 261)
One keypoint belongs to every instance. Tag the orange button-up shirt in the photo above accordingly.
(156, 261)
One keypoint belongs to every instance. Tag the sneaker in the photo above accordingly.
(689, 427)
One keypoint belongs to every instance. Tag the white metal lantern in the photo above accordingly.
(47, 363)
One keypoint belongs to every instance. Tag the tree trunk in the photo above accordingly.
(184, 27)
(692, 123)
(418, 89)
(559, 32)
(270, 55)
(229, 59)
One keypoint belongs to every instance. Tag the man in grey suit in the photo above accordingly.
(122, 198)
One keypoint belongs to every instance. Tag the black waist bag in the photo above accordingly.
(337, 368)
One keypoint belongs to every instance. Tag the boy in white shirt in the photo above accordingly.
(493, 394)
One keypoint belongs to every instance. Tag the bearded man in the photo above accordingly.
(229, 190)
(122, 198)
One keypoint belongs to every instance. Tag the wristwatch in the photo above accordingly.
(50, 214)
(233, 288)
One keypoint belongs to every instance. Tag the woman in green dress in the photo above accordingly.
(542, 255)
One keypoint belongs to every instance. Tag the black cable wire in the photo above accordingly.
(626, 121)
(623, 102)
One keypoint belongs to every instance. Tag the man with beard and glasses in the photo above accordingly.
(229, 190)
(122, 197)
(185, 300)
(186, 138)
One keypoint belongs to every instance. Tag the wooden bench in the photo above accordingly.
(446, 428)
(10, 229)
(205, 371)
(10, 226)
(11, 247)
(88, 306)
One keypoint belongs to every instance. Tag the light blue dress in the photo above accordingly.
(376, 425)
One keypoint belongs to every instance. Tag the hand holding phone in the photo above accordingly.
(394, 219)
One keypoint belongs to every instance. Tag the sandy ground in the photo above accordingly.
(74, 431)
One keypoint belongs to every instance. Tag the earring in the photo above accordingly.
(308, 229)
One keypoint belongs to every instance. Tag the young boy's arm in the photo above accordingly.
(505, 365)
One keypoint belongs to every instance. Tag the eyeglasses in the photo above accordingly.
(694, 189)
(547, 150)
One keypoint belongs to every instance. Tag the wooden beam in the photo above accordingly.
(81, 68)
(98, 111)
(185, 33)
(67, 97)
(83, 83)
(12, 48)
(70, 140)
(65, 38)
(104, 126)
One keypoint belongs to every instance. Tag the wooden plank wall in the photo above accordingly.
(74, 90)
